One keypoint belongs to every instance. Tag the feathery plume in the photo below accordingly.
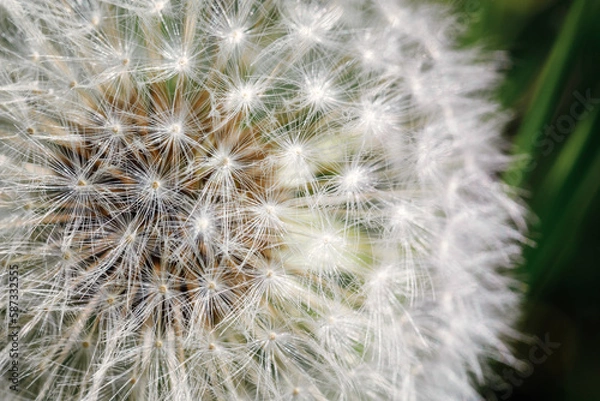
(250, 200)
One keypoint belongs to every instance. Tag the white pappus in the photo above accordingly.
(251, 200)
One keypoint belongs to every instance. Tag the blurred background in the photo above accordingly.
(553, 86)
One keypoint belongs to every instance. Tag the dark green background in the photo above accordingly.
(554, 52)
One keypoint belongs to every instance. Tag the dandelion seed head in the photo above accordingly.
(243, 200)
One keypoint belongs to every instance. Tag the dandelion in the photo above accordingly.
(251, 200)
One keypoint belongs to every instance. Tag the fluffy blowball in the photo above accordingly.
(250, 200)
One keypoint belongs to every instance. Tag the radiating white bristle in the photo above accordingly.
(251, 200)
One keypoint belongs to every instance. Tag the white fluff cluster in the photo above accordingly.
(250, 200)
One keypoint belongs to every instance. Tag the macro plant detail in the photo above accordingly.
(248, 200)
